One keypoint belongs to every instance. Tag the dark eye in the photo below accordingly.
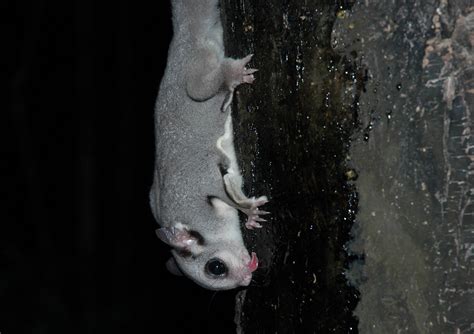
(216, 267)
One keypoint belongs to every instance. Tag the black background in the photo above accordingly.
(78, 252)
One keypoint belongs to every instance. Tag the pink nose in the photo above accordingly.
(253, 264)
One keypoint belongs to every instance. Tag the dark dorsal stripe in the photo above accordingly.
(184, 253)
(197, 236)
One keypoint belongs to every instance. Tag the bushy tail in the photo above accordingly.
(195, 14)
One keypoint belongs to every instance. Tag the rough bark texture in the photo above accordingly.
(415, 162)
(293, 128)
(400, 73)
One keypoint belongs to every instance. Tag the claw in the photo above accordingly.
(248, 79)
(254, 213)
(246, 59)
(260, 201)
(252, 224)
(250, 71)
(240, 74)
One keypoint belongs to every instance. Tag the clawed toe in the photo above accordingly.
(260, 201)
(254, 213)
(252, 224)
(245, 75)
(247, 59)
(248, 76)
(253, 221)
(250, 71)
(248, 79)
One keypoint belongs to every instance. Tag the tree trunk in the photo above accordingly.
(293, 129)
(358, 108)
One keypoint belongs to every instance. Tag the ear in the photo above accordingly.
(222, 208)
(176, 236)
(173, 267)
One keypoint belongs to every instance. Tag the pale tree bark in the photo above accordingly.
(359, 125)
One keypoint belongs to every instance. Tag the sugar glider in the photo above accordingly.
(197, 186)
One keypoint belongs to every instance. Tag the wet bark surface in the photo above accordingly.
(392, 81)
(292, 130)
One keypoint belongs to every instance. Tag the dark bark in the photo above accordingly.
(400, 74)
(293, 129)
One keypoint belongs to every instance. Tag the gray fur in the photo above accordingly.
(190, 117)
